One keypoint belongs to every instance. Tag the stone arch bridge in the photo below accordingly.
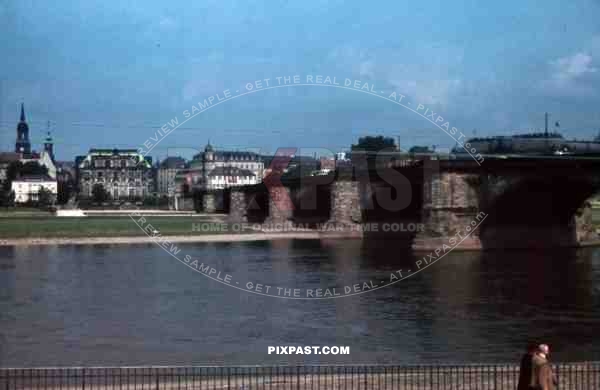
(515, 202)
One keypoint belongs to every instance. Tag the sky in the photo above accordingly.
(109, 73)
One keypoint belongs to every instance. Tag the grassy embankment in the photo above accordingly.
(37, 224)
(32, 223)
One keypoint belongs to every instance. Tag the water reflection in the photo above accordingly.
(133, 304)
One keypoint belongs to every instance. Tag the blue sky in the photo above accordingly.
(109, 73)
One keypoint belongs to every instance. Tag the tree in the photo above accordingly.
(374, 144)
(7, 198)
(185, 188)
(65, 189)
(99, 194)
(11, 174)
(44, 197)
(33, 168)
(11, 199)
(163, 201)
(17, 169)
(149, 201)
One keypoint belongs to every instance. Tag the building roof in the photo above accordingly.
(230, 171)
(112, 151)
(33, 178)
(9, 157)
(231, 156)
(94, 153)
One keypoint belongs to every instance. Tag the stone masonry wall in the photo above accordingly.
(280, 205)
(450, 204)
(584, 229)
(208, 202)
(237, 207)
(345, 203)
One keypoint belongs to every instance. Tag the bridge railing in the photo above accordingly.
(570, 376)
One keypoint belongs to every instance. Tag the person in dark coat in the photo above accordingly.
(542, 377)
(525, 367)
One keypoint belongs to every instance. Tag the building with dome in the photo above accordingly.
(216, 170)
(212, 171)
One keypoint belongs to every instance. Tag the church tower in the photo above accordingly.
(49, 144)
(22, 145)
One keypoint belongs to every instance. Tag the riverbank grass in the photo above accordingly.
(110, 226)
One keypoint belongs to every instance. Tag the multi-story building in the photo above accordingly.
(223, 177)
(165, 177)
(27, 188)
(212, 169)
(124, 173)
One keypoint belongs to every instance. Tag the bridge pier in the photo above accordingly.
(209, 202)
(345, 203)
(280, 206)
(238, 207)
(584, 229)
(450, 211)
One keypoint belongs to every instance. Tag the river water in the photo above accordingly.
(136, 305)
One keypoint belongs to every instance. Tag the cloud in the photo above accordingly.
(167, 22)
(427, 91)
(573, 67)
(425, 76)
(572, 75)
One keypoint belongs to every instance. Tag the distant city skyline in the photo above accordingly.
(169, 150)
(107, 73)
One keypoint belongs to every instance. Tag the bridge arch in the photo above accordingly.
(537, 210)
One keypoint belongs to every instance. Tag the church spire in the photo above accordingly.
(49, 144)
(22, 144)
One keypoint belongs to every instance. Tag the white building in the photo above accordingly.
(207, 169)
(27, 188)
(223, 177)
